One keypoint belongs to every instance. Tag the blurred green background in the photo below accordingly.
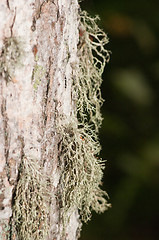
(130, 132)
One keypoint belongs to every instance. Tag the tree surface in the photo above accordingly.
(52, 56)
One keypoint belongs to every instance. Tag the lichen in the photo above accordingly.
(31, 202)
(92, 59)
(80, 147)
(11, 57)
(4, 229)
(38, 73)
(82, 174)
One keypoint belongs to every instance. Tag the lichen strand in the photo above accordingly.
(31, 202)
(92, 59)
(82, 174)
(80, 148)
(11, 57)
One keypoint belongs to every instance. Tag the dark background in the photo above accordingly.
(130, 132)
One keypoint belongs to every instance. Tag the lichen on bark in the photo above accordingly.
(31, 202)
(53, 119)
(80, 147)
(11, 57)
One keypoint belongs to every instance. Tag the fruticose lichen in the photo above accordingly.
(80, 148)
(82, 174)
(31, 202)
(11, 57)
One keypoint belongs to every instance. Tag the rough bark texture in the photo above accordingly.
(38, 54)
(52, 56)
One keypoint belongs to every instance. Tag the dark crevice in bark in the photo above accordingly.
(37, 14)
(65, 83)
(47, 92)
(6, 136)
(11, 27)
(45, 110)
(33, 26)
(10, 235)
(21, 139)
(7, 1)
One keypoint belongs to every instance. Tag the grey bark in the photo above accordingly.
(38, 54)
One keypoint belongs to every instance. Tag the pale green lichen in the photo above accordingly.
(83, 171)
(4, 229)
(38, 73)
(11, 57)
(93, 56)
(82, 174)
(31, 202)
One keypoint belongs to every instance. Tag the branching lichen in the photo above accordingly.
(31, 202)
(83, 171)
(92, 59)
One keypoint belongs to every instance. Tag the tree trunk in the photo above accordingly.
(40, 136)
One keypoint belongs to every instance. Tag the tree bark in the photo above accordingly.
(38, 49)
(52, 56)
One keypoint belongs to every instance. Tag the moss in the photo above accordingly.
(11, 57)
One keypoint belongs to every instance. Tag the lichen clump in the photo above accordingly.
(82, 174)
(31, 202)
(80, 147)
(10, 58)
